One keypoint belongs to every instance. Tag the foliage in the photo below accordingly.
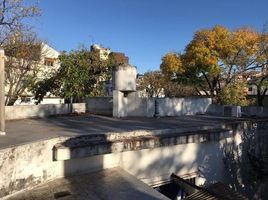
(22, 64)
(152, 83)
(234, 94)
(155, 84)
(172, 89)
(217, 57)
(117, 58)
(80, 75)
(12, 15)
(247, 162)
(171, 63)
(259, 79)
(260, 82)
(20, 44)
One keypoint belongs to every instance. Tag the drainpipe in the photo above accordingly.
(2, 92)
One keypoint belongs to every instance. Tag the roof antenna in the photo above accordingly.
(91, 38)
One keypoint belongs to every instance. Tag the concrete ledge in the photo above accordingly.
(86, 146)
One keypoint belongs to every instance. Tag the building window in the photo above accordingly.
(49, 62)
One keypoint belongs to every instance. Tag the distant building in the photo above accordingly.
(119, 59)
(49, 63)
(104, 52)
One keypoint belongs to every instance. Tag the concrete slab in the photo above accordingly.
(29, 130)
(109, 184)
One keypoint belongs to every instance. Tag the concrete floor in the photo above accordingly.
(109, 184)
(28, 130)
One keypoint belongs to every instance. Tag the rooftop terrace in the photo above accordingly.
(29, 130)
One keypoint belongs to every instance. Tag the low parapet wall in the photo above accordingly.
(131, 105)
(28, 111)
(100, 105)
(218, 110)
(182, 106)
(255, 111)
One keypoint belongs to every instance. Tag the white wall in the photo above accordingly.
(218, 110)
(134, 106)
(137, 106)
(28, 165)
(27, 111)
(182, 106)
(154, 166)
(100, 105)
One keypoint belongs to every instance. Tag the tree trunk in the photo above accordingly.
(12, 100)
(259, 98)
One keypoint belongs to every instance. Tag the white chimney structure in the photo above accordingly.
(124, 83)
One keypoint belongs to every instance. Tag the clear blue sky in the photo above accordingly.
(143, 29)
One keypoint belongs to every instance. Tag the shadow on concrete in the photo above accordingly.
(93, 124)
(101, 183)
(242, 162)
(213, 161)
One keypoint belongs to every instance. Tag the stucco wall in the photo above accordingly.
(27, 111)
(182, 106)
(218, 110)
(214, 109)
(253, 110)
(136, 106)
(28, 165)
(100, 105)
(131, 105)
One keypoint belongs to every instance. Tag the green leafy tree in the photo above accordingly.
(80, 74)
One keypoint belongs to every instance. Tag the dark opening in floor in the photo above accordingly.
(172, 190)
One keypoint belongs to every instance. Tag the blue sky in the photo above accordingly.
(144, 30)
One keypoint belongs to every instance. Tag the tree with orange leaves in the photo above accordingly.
(171, 64)
(217, 57)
